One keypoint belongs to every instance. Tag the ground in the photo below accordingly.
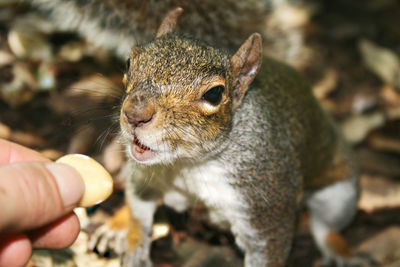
(59, 94)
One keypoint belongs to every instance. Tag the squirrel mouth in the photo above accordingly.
(140, 152)
(140, 148)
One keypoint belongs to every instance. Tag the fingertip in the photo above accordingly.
(58, 235)
(15, 250)
(69, 182)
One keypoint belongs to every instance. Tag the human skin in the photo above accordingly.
(37, 197)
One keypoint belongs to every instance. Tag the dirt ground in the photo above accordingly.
(59, 94)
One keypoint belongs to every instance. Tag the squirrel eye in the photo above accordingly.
(128, 63)
(214, 95)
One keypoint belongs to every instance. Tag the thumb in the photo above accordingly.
(37, 193)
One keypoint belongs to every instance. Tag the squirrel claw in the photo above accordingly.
(106, 239)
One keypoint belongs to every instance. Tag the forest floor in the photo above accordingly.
(59, 94)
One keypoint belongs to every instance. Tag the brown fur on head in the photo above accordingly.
(181, 93)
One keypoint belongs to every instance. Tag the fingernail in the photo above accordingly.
(69, 182)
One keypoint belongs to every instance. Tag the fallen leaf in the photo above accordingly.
(384, 246)
(356, 128)
(21, 89)
(72, 51)
(6, 58)
(27, 139)
(381, 61)
(27, 43)
(51, 154)
(391, 101)
(381, 142)
(290, 16)
(160, 230)
(326, 85)
(5, 131)
(378, 192)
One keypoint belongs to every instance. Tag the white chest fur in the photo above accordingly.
(208, 182)
(183, 185)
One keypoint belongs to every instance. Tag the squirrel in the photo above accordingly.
(117, 25)
(243, 134)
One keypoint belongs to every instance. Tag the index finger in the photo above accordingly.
(11, 153)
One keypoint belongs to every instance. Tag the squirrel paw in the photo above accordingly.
(112, 236)
(105, 239)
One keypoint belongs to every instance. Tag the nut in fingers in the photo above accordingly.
(98, 182)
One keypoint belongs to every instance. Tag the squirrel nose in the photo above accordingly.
(139, 116)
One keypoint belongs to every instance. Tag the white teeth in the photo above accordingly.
(141, 148)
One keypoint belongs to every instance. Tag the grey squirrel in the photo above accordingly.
(241, 133)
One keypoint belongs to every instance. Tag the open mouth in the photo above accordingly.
(139, 151)
(140, 148)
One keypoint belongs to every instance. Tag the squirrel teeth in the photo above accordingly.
(140, 148)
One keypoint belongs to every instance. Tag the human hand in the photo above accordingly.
(36, 199)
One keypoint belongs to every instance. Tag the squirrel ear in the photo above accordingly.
(245, 64)
(169, 22)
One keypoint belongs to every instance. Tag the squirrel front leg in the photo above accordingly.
(266, 235)
(139, 233)
(143, 204)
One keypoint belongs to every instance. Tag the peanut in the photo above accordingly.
(98, 182)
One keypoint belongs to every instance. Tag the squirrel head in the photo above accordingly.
(181, 95)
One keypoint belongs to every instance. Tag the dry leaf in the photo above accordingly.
(27, 43)
(6, 58)
(160, 230)
(27, 139)
(384, 246)
(21, 89)
(290, 16)
(356, 128)
(381, 142)
(378, 193)
(72, 51)
(391, 101)
(51, 154)
(5, 131)
(381, 61)
(389, 95)
(326, 85)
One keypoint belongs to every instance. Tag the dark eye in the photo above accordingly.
(214, 95)
(128, 63)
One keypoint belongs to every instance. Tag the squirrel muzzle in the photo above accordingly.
(137, 111)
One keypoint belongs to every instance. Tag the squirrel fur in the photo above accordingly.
(241, 133)
(118, 24)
